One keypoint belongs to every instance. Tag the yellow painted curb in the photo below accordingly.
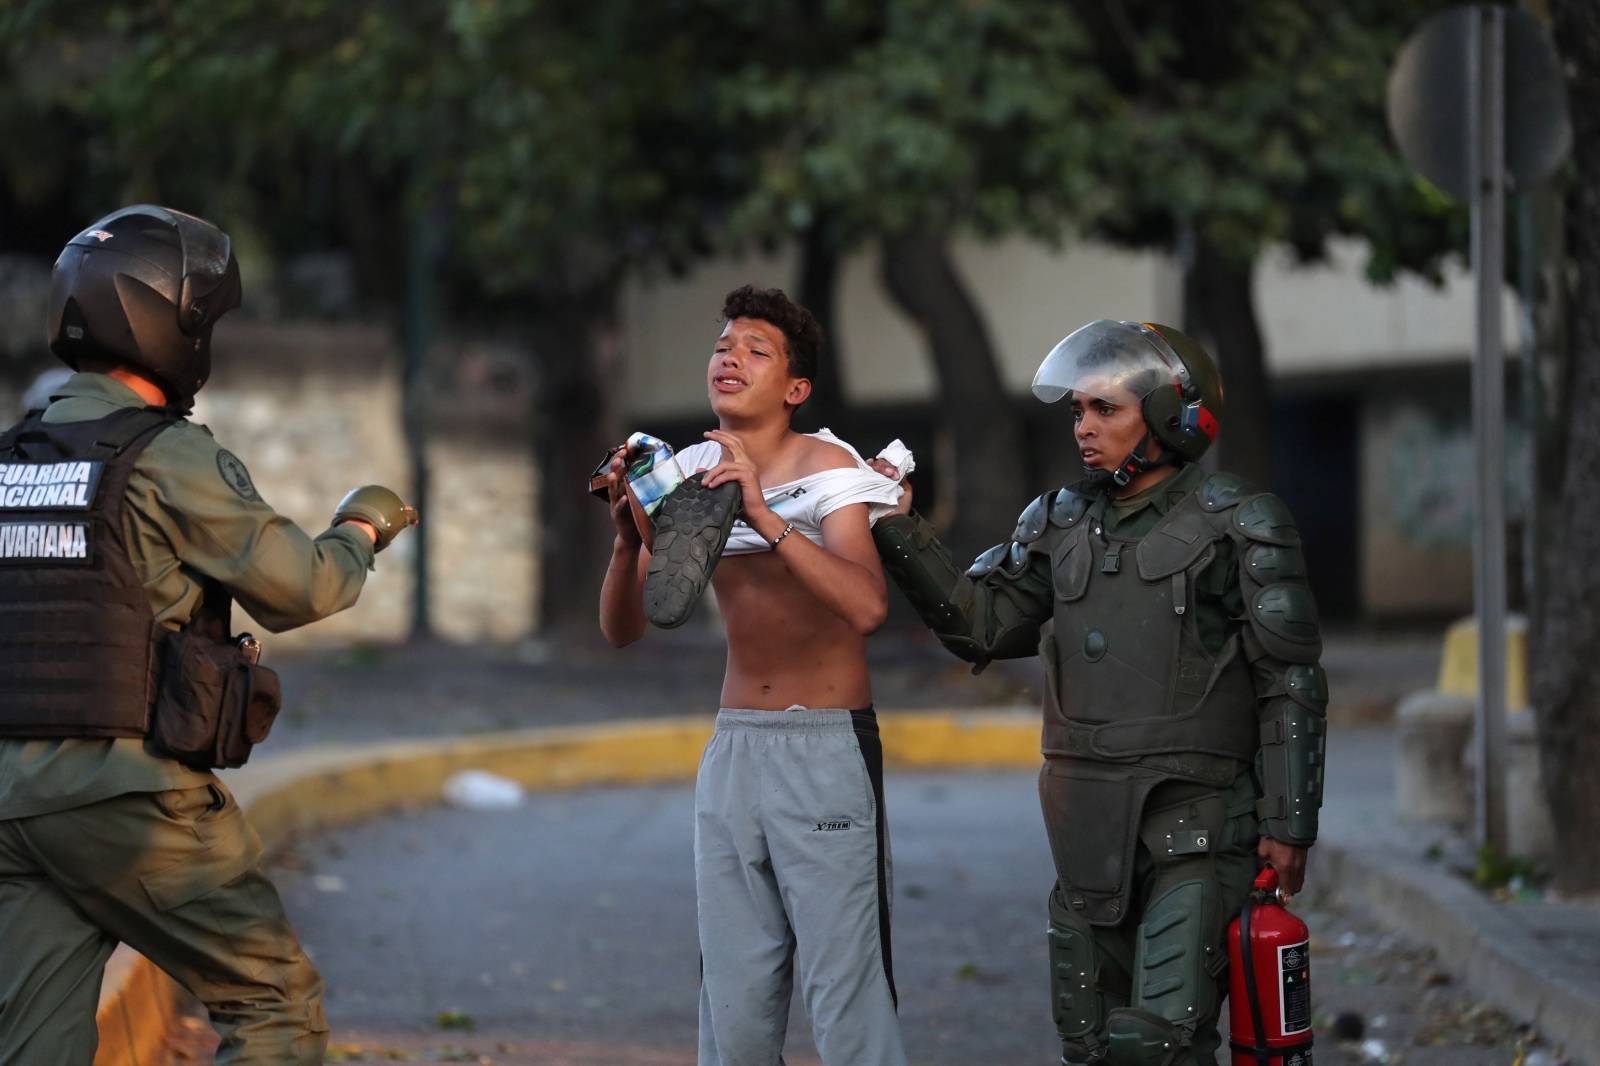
(139, 1004)
(331, 786)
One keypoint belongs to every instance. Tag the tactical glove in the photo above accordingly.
(386, 512)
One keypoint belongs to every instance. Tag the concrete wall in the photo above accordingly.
(314, 410)
(1329, 319)
(1417, 508)
(1026, 291)
(1317, 320)
(1326, 328)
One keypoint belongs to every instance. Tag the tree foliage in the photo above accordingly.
(564, 140)
(920, 115)
(1262, 125)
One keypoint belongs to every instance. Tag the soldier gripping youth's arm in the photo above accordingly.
(1183, 725)
(996, 608)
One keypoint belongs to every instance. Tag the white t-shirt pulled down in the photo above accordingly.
(805, 501)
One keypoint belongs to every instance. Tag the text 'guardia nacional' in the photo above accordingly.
(47, 486)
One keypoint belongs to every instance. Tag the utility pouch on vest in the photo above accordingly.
(214, 704)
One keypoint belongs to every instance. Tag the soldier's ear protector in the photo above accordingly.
(1177, 415)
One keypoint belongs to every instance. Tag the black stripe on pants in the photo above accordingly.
(865, 724)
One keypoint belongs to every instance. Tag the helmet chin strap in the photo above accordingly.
(1136, 463)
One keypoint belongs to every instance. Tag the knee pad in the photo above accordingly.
(1075, 998)
(1136, 1037)
(1178, 959)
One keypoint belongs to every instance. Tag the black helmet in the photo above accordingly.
(143, 286)
(1175, 382)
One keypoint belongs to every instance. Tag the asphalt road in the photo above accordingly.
(562, 933)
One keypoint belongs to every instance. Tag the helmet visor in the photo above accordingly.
(1120, 362)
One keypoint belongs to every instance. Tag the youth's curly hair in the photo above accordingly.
(802, 335)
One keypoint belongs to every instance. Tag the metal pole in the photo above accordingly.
(1488, 415)
(418, 333)
(1528, 285)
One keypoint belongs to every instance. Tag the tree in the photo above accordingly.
(906, 125)
(1566, 622)
(1260, 125)
(547, 146)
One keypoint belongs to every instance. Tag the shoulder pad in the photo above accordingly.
(1068, 507)
(1031, 525)
(1284, 618)
(1265, 518)
(1222, 491)
(986, 563)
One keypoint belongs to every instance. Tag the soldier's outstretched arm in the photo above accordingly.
(201, 501)
(1283, 643)
(993, 609)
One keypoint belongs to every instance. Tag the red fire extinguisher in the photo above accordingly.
(1269, 990)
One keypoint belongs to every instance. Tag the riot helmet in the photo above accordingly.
(144, 286)
(1177, 386)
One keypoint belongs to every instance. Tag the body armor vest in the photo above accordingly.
(78, 639)
(1129, 677)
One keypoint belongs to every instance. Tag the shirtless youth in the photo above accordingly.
(791, 854)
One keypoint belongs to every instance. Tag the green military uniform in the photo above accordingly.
(1164, 731)
(102, 840)
(1184, 709)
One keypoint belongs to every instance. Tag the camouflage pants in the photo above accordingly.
(175, 875)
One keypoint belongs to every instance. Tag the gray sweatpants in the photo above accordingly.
(791, 863)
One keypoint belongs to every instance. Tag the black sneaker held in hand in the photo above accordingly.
(692, 526)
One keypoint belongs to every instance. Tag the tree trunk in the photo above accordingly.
(1566, 623)
(577, 356)
(423, 229)
(1219, 311)
(980, 418)
(818, 293)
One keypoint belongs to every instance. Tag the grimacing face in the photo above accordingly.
(749, 371)
(1107, 421)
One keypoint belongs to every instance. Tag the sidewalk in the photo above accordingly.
(1539, 959)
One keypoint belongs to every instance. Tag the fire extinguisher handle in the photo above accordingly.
(1267, 881)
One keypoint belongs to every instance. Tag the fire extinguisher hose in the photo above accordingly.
(1263, 1054)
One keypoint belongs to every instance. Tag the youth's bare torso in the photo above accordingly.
(784, 646)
